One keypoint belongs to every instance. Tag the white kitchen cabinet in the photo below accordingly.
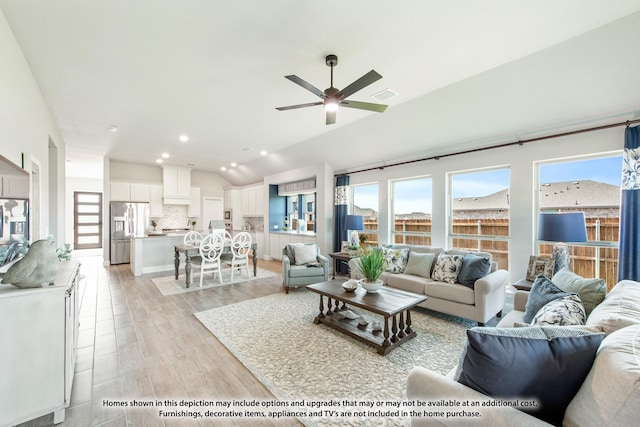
(39, 338)
(155, 199)
(140, 193)
(15, 186)
(253, 200)
(120, 191)
(130, 192)
(176, 185)
(194, 210)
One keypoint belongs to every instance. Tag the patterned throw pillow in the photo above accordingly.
(561, 312)
(447, 268)
(419, 264)
(395, 260)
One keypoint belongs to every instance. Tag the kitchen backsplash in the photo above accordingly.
(252, 223)
(174, 216)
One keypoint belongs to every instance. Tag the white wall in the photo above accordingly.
(523, 192)
(27, 125)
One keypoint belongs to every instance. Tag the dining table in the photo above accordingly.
(192, 250)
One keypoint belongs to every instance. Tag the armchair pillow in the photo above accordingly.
(305, 254)
(447, 268)
(473, 268)
(419, 264)
(563, 311)
(543, 291)
(557, 361)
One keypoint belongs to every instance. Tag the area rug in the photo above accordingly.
(276, 339)
(168, 285)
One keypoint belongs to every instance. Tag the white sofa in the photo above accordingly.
(482, 303)
(609, 395)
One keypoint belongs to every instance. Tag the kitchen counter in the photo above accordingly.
(294, 233)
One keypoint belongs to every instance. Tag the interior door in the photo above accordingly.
(212, 209)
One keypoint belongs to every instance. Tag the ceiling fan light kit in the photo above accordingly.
(332, 98)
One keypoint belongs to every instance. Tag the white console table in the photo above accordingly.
(38, 336)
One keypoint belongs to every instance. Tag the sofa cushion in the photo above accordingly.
(557, 360)
(395, 260)
(610, 394)
(304, 271)
(473, 267)
(542, 292)
(419, 264)
(447, 268)
(620, 308)
(563, 311)
(591, 291)
(406, 282)
(450, 292)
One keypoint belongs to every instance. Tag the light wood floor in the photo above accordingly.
(135, 343)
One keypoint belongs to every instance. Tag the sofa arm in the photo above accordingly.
(286, 265)
(426, 385)
(325, 265)
(492, 281)
(520, 300)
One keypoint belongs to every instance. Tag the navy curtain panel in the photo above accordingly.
(629, 253)
(340, 211)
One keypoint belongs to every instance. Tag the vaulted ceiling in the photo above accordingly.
(466, 73)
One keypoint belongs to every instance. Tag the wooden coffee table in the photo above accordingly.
(393, 305)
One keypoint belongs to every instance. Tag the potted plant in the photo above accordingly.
(371, 265)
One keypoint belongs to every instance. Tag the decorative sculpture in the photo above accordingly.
(38, 267)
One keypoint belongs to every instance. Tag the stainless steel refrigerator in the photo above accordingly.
(127, 220)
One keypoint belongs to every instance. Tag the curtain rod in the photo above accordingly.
(491, 147)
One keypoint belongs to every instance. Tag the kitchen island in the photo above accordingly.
(154, 253)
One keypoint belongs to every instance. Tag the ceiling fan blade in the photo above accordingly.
(364, 105)
(331, 117)
(362, 82)
(293, 107)
(308, 86)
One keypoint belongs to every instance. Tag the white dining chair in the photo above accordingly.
(210, 250)
(240, 248)
(192, 238)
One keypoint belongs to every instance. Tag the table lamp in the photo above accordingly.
(561, 228)
(354, 223)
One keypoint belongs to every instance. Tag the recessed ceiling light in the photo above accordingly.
(113, 129)
(223, 168)
(184, 138)
(263, 152)
(165, 155)
(158, 160)
(234, 164)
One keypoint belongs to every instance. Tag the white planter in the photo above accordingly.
(371, 286)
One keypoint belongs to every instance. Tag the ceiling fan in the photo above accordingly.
(333, 98)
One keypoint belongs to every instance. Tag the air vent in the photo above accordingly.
(384, 95)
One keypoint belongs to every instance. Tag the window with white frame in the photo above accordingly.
(411, 210)
(590, 185)
(364, 201)
(480, 213)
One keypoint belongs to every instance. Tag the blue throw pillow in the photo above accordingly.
(473, 268)
(543, 291)
(545, 364)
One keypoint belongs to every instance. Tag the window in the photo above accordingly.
(591, 186)
(411, 204)
(301, 207)
(364, 201)
(480, 213)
